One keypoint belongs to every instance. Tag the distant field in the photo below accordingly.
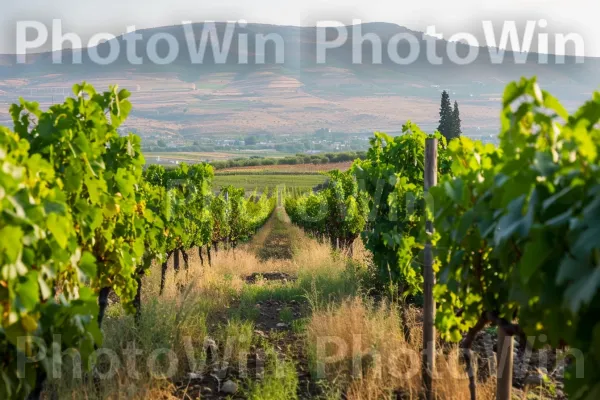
(298, 168)
(192, 157)
(251, 182)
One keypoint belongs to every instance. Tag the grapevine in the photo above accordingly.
(337, 212)
(516, 232)
(392, 176)
(43, 270)
(79, 217)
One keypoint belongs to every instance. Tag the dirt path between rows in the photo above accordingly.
(269, 327)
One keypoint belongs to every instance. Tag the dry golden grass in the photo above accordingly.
(197, 302)
(362, 346)
(193, 304)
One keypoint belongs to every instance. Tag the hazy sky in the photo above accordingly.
(87, 17)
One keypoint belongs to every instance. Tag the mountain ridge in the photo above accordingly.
(298, 95)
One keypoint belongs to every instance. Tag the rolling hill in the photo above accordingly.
(298, 95)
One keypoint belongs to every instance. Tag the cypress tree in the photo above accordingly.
(456, 129)
(446, 116)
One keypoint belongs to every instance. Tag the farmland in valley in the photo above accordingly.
(297, 168)
(259, 181)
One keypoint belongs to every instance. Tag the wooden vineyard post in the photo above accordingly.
(227, 217)
(428, 366)
(176, 261)
(505, 365)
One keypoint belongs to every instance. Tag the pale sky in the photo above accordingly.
(88, 17)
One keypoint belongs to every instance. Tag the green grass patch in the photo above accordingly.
(279, 291)
(286, 315)
(332, 286)
(280, 379)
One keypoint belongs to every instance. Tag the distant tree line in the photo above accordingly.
(324, 158)
(449, 118)
(257, 142)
